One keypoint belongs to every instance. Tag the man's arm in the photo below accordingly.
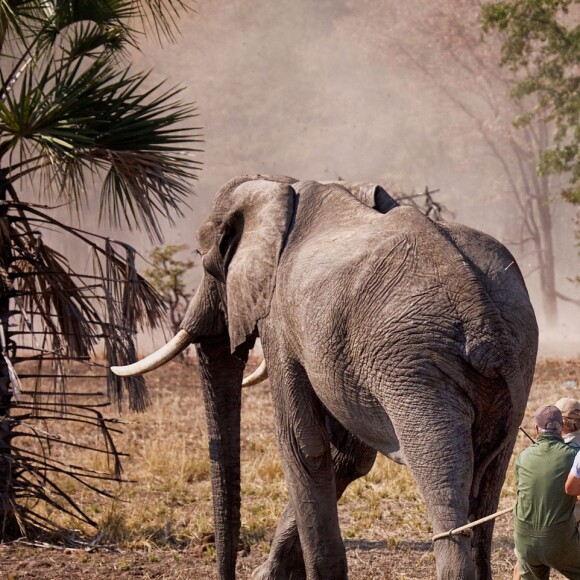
(572, 486)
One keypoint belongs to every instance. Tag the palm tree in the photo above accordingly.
(74, 119)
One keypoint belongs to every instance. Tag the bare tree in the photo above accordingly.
(442, 40)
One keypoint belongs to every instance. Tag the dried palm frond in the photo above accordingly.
(64, 314)
(80, 310)
(38, 459)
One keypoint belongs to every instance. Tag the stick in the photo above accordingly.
(526, 434)
(472, 524)
(482, 520)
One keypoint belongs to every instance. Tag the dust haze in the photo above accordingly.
(309, 89)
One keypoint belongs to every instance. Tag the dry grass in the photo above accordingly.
(162, 521)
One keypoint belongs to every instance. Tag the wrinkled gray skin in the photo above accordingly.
(381, 330)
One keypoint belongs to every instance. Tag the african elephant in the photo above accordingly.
(382, 330)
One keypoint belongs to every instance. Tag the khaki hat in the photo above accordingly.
(567, 405)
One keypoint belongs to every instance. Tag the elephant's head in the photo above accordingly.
(241, 243)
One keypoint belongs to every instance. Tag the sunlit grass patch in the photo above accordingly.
(166, 508)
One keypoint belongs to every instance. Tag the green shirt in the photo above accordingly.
(541, 472)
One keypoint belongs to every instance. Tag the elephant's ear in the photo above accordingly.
(371, 195)
(251, 240)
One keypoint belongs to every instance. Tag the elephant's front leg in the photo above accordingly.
(351, 459)
(304, 446)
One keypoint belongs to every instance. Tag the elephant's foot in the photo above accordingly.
(278, 570)
(453, 558)
(286, 561)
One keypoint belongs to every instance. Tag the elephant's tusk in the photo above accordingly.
(259, 375)
(176, 345)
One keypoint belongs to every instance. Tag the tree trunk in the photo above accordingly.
(547, 269)
(9, 528)
(8, 521)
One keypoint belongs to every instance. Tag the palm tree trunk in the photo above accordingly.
(8, 523)
(9, 527)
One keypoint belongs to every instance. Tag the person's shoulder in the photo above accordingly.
(564, 447)
(576, 465)
(573, 445)
(569, 451)
(554, 447)
(530, 451)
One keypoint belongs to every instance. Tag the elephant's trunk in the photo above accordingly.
(221, 376)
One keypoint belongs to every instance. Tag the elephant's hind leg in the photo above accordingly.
(437, 442)
(351, 459)
(305, 451)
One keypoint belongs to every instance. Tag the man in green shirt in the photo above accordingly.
(545, 530)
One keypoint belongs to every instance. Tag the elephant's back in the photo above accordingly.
(371, 273)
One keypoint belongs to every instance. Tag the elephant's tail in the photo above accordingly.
(499, 325)
(514, 382)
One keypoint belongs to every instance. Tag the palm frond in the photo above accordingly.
(132, 303)
(40, 477)
(80, 310)
(94, 119)
(140, 187)
(49, 291)
(20, 19)
(161, 16)
(88, 39)
(40, 23)
(101, 12)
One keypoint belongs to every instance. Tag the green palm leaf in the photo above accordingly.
(84, 117)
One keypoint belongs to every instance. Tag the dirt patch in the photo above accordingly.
(163, 521)
(410, 559)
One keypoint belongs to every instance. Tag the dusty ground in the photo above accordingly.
(382, 517)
